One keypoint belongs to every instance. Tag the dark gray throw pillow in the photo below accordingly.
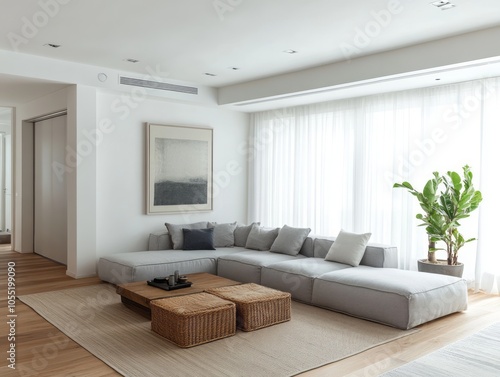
(198, 239)
(175, 231)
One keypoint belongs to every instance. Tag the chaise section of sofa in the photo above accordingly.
(398, 298)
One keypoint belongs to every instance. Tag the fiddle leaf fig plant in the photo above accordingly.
(430, 217)
(444, 209)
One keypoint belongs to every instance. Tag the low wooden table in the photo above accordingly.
(137, 296)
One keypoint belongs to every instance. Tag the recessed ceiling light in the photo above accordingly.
(290, 51)
(131, 60)
(52, 45)
(437, 79)
(210, 74)
(233, 68)
(443, 5)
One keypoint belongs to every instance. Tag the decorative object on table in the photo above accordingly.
(171, 282)
(442, 212)
(179, 169)
(166, 284)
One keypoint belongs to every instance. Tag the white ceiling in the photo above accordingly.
(188, 38)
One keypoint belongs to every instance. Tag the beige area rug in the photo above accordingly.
(95, 318)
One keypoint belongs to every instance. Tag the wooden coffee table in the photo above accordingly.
(137, 296)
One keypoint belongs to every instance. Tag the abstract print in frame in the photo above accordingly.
(179, 171)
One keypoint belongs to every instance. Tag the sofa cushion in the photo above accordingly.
(246, 266)
(223, 234)
(290, 240)
(176, 234)
(321, 246)
(261, 238)
(297, 276)
(241, 234)
(348, 248)
(198, 239)
(308, 247)
(159, 241)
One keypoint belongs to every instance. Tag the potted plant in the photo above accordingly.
(443, 211)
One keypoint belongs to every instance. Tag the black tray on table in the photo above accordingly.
(165, 286)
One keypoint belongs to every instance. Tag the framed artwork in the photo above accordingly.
(179, 169)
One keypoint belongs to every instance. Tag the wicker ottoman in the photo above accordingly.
(193, 319)
(256, 306)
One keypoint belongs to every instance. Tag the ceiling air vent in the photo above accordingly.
(158, 85)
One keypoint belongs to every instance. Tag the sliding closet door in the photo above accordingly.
(50, 190)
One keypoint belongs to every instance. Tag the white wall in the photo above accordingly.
(107, 186)
(122, 224)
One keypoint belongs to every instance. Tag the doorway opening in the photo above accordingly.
(6, 116)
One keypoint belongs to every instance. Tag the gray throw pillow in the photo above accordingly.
(198, 239)
(176, 234)
(348, 248)
(223, 234)
(159, 241)
(261, 238)
(290, 240)
(241, 234)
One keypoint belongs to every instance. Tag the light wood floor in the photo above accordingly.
(42, 350)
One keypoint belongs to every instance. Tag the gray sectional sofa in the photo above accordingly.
(374, 290)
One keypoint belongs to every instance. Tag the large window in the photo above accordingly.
(331, 166)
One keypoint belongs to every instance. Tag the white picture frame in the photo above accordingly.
(179, 169)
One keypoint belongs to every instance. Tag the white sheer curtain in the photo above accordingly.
(332, 165)
(488, 256)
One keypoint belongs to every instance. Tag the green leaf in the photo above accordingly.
(456, 180)
(429, 192)
(405, 185)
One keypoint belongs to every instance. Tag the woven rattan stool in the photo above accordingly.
(193, 319)
(256, 306)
